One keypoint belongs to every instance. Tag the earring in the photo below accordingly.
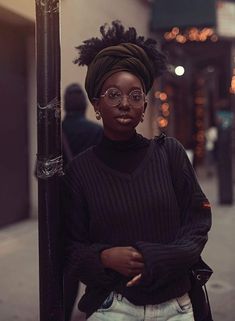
(142, 118)
(98, 115)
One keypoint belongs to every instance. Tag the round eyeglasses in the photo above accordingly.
(113, 97)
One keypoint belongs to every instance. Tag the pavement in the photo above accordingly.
(19, 297)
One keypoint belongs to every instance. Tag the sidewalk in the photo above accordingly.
(19, 298)
(19, 288)
(219, 253)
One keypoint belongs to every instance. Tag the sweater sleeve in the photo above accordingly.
(82, 258)
(166, 262)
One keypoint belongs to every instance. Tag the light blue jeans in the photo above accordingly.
(118, 308)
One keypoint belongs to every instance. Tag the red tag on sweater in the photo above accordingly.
(206, 205)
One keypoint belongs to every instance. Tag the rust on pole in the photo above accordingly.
(49, 159)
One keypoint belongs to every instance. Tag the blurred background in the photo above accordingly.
(194, 102)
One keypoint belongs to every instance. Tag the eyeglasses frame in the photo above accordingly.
(105, 93)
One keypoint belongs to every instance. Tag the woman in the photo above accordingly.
(136, 218)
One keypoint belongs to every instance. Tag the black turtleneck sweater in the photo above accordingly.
(141, 193)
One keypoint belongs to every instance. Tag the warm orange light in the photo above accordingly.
(169, 36)
(163, 96)
(202, 37)
(165, 113)
(232, 87)
(181, 39)
(165, 107)
(162, 122)
(175, 30)
(210, 32)
(157, 94)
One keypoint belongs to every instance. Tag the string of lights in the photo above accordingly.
(191, 34)
(162, 119)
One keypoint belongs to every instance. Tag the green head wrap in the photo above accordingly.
(123, 57)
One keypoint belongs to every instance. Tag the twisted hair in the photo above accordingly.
(115, 35)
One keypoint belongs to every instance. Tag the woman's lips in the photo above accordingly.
(124, 120)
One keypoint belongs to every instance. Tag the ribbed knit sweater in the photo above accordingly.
(158, 208)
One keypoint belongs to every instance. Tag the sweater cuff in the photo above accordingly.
(147, 275)
(93, 271)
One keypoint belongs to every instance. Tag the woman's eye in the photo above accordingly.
(113, 94)
(136, 96)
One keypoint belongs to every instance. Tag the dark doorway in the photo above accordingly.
(14, 187)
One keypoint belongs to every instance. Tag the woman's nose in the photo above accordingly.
(124, 102)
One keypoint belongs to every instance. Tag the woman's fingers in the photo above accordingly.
(125, 260)
(136, 268)
(136, 265)
(134, 281)
(137, 256)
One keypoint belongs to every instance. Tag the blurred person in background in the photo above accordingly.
(136, 219)
(78, 133)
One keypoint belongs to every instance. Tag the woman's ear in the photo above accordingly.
(95, 104)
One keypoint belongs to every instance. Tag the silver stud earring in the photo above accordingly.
(98, 115)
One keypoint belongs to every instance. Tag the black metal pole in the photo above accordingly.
(49, 159)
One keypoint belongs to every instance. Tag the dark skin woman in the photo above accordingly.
(136, 219)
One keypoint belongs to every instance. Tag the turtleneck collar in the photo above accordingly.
(124, 156)
(135, 142)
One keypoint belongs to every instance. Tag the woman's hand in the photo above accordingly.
(125, 260)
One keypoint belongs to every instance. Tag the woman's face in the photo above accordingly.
(120, 119)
